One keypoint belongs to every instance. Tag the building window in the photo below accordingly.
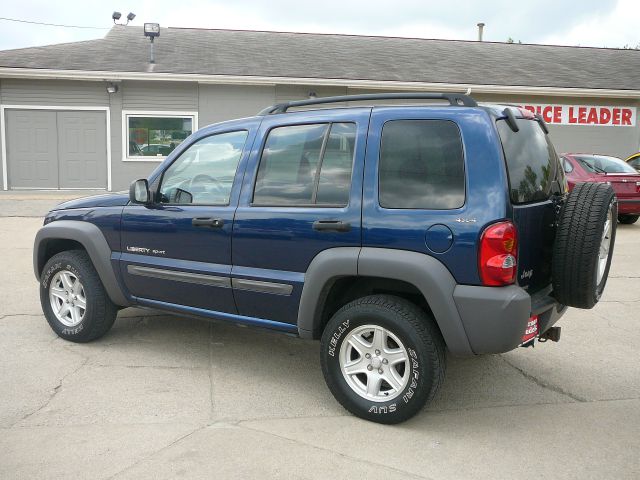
(306, 165)
(155, 135)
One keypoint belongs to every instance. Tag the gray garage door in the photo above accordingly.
(56, 149)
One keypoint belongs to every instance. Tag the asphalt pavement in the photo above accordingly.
(162, 396)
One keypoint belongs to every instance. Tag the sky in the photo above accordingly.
(594, 23)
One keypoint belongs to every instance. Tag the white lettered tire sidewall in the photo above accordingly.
(49, 272)
(100, 312)
(421, 385)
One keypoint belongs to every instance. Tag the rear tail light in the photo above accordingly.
(498, 254)
(637, 187)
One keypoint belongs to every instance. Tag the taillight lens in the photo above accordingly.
(498, 254)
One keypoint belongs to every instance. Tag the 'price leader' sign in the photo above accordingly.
(585, 115)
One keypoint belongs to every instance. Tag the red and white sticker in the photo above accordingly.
(584, 114)
(532, 329)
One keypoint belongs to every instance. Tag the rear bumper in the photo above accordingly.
(495, 318)
(629, 206)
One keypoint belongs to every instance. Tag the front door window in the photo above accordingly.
(204, 173)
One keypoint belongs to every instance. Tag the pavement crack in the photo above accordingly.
(540, 383)
(340, 454)
(151, 367)
(9, 315)
(155, 452)
(619, 301)
(56, 389)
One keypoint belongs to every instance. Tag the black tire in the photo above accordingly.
(418, 334)
(100, 312)
(577, 245)
(628, 219)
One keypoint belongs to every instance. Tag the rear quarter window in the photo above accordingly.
(530, 159)
(421, 165)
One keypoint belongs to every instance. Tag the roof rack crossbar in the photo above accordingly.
(454, 99)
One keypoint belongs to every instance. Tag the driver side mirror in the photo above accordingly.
(139, 192)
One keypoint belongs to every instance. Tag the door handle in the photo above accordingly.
(331, 225)
(207, 222)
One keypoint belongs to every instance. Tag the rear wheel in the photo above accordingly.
(382, 358)
(73, 299)
(584, 245)
(628, 219)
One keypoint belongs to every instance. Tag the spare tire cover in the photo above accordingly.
(584, 245)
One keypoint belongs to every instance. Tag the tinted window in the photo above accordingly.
(306, 165)
(421, 165)
(335, 174)
(204, 173)
(530, 156)
(604, 164)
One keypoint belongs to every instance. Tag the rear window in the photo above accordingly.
(306, 165)
(530, 158)
(421, 165)
(604, 164)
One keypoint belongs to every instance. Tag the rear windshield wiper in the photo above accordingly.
(592, 167)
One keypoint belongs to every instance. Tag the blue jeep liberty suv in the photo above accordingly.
(394, 234)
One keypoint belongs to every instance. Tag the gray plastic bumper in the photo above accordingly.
(495, 318)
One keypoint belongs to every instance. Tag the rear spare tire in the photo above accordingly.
(584, 245)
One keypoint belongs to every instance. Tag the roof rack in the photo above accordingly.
(454, 99)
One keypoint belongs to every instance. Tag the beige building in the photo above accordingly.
(97, 114)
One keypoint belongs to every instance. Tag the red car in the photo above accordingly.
(625, 180)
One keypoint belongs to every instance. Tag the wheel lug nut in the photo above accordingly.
(369, 367)
(377, 352)
(385, 361)
(380, 371)
(367, 355)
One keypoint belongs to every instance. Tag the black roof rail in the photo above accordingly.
(454, 99)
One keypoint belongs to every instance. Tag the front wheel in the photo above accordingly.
(73, 298)
(628, 219)
(383, 358)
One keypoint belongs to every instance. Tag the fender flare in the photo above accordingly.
(426, 273)
(92, 239)
(326, 267)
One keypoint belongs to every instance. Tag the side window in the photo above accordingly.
(204, 173)
(421, 165)
(306, 165)
(568, 168)
(635, 163)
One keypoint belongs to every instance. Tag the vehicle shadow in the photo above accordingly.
(247, 364)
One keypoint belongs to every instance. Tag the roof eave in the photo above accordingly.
(109, 76)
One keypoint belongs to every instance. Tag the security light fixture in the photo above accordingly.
(117, 16)
(112, 88)
(152, 30)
